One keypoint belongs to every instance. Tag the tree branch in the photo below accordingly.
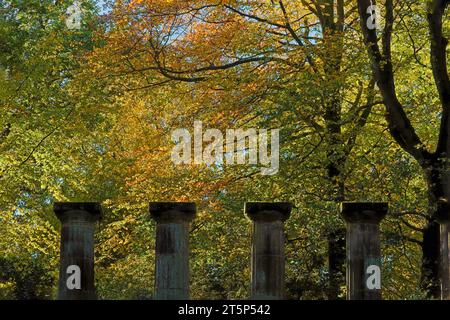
(439, 65)
(399, 124)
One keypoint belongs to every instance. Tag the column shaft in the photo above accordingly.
(363, 249)
(172, 249)
(268, 256)
(444, 269)
(76, 273)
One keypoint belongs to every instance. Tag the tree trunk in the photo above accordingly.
(435, 251)
(435, 272)
(336, 263)
(332, 22)
(430, 260)
(336, 238)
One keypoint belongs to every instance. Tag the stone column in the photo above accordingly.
(448, 255)
(76, 272)
(363, 249)
(172, 248)
(444, 269)
(268, 258)
(443, 218)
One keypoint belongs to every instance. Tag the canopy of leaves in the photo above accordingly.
(87, 115)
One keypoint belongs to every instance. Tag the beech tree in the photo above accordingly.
(88, 115)
(434, 163)
(307, 43)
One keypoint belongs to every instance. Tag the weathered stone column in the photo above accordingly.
(443, 218)
(76, 272)
(448, 257)
(444, 270)
(363, 249)
(172, 248)
(268, 259)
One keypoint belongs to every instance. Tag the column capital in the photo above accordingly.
(78, 211)
(268, 211)
(172, 211)
(364, 212)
